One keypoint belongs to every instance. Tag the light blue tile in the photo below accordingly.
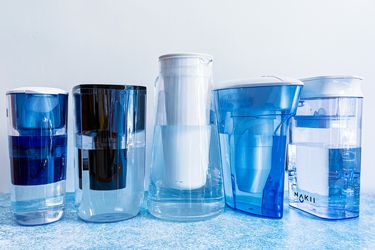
(231, 230)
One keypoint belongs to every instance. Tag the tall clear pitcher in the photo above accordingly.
(186, 176)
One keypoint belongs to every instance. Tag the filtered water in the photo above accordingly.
(325, 181)
(254, 175)
(190, 201)
(110, 182)
(38, 177)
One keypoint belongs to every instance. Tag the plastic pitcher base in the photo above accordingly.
(185, 212)
(39, 217)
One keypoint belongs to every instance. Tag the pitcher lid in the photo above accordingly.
(332, 86)
(37, 90)
(262, 81)
(185, 55)
(109, 86)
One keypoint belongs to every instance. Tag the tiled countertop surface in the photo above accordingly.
(231, 230)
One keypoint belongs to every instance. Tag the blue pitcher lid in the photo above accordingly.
(259, 82)
(332, 86)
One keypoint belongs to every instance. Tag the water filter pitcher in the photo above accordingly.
(253, 119)
(324, 160)
(186, 181)
(37, 125)
(109, 150)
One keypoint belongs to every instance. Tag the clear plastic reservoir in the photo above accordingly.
(325, 148)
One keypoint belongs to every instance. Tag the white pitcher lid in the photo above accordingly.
(332, 86)
(37, 90)
(185, 55)
(184, 64)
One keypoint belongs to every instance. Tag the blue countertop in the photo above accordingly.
(229, 230)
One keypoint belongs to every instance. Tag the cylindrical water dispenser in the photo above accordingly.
(37, 125)
(110, 150)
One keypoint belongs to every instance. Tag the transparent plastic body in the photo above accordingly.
(37, 125)
(325, 157)
(109, 151)
(253, 124)
(186, 176)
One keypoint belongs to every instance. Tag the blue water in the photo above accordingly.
(37, 160)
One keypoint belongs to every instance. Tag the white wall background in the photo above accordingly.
(64, 43)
